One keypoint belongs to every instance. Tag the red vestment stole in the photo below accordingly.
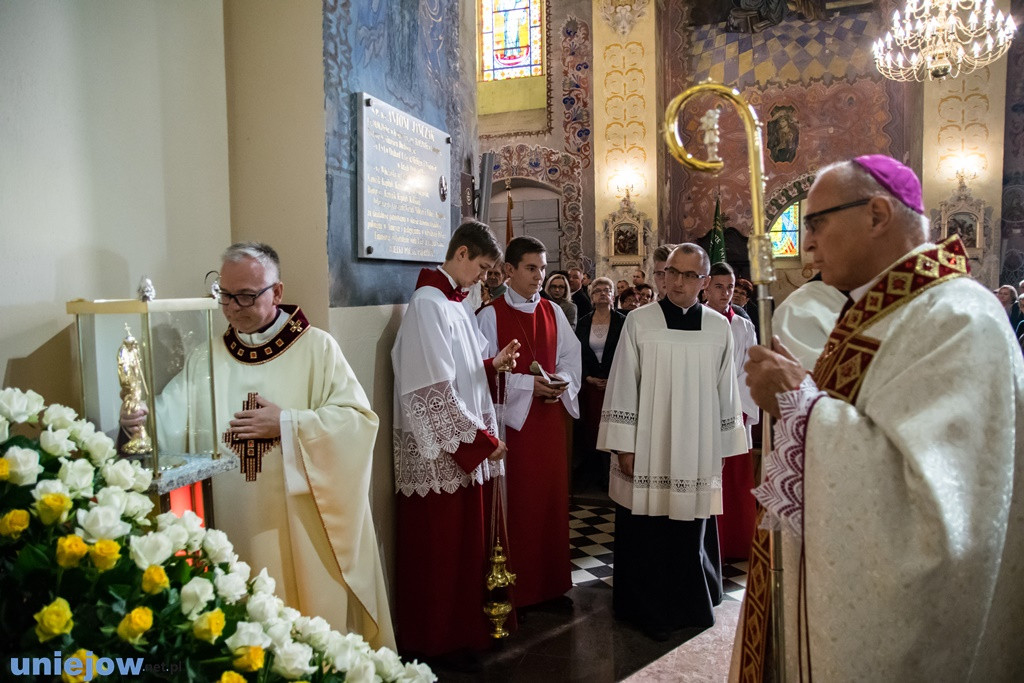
(840, 372)
(537, 470)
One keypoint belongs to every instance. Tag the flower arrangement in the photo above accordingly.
(90, 576)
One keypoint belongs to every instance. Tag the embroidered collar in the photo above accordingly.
(251, 354)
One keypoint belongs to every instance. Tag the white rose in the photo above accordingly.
(247, 634)
(263, 583)
(112, 497)
(119, 473)
(153, 548)
(5, 429)
(101, 522)
(194, 596)
(279, 631)
(343, 651)
(314, 631)
(217, 546)
(290, 614)
(417, 672)
(193, 524)
(230, 587)
(241, 568)
(143, 478)
(138, 507)
(81, 430)
(48, 486)
(389, 664)
(361, 671)
(78, 476)
(100, 448)
(20, 406)
(292, 661)
(59, 417)
(23, 464)
(56, 442)
(262, 607)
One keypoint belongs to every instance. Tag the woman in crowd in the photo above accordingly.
(557, 288)
(598, 333)
(627, 300)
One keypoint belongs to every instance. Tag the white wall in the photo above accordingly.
(113, 164)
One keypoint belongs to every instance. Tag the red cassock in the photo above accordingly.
(442, 560)
(537, 466)
(736, 523)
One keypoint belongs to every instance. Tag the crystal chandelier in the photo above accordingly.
(940, 38)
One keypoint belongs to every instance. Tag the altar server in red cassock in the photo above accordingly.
(445, 449)
(534, 413)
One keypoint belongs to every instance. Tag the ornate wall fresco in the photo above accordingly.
(560, 169)
(576, 88)
(817, 93)
(409, 55)
(626, 105)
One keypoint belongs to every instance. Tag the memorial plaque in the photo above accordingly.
(404, 192)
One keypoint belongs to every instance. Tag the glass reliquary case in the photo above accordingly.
(152, 359)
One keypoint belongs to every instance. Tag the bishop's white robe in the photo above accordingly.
(307, 516)
(673, 401)
(913, 495)
(805, 318)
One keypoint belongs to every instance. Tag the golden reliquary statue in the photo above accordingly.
(133, 392)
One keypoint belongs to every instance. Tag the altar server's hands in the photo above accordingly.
(626, 463)
(548, 391)
(505, 361)
(260, 423)
(771, 372)
(499, 452)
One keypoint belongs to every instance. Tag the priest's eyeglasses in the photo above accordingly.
(244, 300)
(685, 274)
(811, 219)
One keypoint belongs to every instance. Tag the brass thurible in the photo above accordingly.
(498, 580)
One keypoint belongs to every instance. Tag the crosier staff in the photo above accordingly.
(762, 274)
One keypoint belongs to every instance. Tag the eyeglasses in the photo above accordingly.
(243, 300)
(686, 275)
(811, 219)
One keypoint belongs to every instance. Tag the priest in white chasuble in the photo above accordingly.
(446, 451)
(897, 477)
(535, 409)
(300, 504)
(671, 413)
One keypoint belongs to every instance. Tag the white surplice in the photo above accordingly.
(743, 337)
(568, 367)
(805, 318)
(673, 401)
(441, 395)
(307, 516)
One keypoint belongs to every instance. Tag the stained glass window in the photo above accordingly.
(785, 232)
(512, 38)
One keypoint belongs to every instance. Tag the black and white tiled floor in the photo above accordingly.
(592, 549)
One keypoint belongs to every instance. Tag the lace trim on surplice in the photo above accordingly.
(622, 417)
(436, 422)
(731, 423)
(664, 482)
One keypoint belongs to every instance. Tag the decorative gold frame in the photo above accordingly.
(964, 215)
(627, 234)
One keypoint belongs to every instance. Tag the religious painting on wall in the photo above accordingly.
(626, 241)
(965, 225)
(966, 216)
(783, 133)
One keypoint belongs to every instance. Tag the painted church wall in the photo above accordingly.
(114, 166)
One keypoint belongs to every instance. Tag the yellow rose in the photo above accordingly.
(5, 469)
(70, 550)
(231, 677)
(13, 523)
(209, 625)
(154, 579)
(249, 658)
(105, 554)
(81, 668)
(135, 623)
(53, 620)
(53, 508)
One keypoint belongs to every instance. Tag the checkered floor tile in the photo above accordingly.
(592, 549)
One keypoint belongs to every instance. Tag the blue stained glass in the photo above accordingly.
(785, 233)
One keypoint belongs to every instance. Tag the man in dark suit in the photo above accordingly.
(580, 297)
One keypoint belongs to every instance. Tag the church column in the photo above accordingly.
(625, 113)
(963, 131)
